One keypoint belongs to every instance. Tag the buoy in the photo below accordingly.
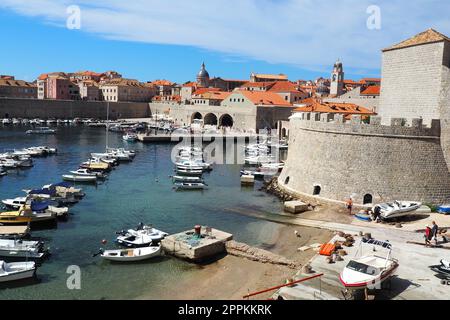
(104, 241)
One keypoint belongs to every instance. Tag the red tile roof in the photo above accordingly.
(313, 105)
(201, 91)
(371, 91)
(162, 83)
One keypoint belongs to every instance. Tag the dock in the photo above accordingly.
(197, 244)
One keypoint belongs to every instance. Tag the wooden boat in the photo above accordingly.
(78, 178)
(16, 270)
(396, 209)
(369, 270)
(130, 255)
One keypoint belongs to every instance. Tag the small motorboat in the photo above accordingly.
(187, 179)
(396, 209)
(41, 130)
(130, 255)
(94, 165)
(88, 173)
(15, 203)
(190, 185)
(368, 269)
(189, 172)
(22, 249)
(443, 269)
(25, 215)
(130, 137)
(142, 236)
(17, 270)
(79, 178)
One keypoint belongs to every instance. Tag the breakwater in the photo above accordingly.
(68, 109)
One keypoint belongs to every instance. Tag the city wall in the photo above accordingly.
(334, 159)
(67, 109)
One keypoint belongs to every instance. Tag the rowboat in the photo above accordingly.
(369, 270)
(130, 255)
(16, 270)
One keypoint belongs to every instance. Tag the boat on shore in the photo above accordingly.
(130, 255)
(396, 209)
(443, 269)
(17, 270)
(368, 270)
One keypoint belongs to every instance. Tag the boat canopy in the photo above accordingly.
(50, 192)
(384, 244)
(39, 206)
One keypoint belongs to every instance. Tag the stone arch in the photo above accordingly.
(211, 119)
(196, 116)
(226, 121)
(368, 199)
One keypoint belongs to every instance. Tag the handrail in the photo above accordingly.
(282, 286)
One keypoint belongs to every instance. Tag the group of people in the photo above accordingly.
(431, 234)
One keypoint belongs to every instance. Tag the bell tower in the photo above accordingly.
(337, 80)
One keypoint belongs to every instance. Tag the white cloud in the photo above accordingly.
(306, 33)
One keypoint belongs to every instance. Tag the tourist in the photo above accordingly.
(350, 205)
(427, 236)
(434, 232)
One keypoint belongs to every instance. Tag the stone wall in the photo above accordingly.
(445, 103)
(411, 82)
(67, 109)
(340, 159)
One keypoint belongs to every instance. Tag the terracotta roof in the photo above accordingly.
(215, 95)
(15, 83)
(201, 91)
(123, 82)
(364, 80)
(190, 84)
(272, 76)
(264, 98)
(429, 36)
(284, 86)
(371, 91)
(265, 85)
(313, 105)
(162, 83)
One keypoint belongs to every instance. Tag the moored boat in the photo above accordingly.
(79, 178)
(142, 236)
(41, 130)
(17, 270)
(130, 255)
(190, 185)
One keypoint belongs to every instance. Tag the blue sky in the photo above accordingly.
(154, 39)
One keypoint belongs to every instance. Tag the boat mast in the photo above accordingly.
(107, 126)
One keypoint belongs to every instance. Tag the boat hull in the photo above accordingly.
(132, 255)
(369, 284)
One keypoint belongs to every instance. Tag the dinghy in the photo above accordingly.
(369, 269)
(16, 270)
(142, 236)
(130, 255)
(396, 209)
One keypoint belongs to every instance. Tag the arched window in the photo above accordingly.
(317, 190)
(286, 182)
(368, 199)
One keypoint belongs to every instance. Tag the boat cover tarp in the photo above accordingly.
(50, 192)
(62, 184)
(39, 206)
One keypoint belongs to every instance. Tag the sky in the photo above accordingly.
(160, 39)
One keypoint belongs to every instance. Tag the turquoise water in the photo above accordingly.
(135, 192)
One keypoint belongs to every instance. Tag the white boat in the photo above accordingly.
(396, 209)
(16, 270)
(189, 172)
(41, 130)
(130, 255)
(79, 178)
(6, 121)
(8, 163)
(15, 203)
(21, 249)
(193, 164)
(3, 172)
(130, 137)
(273, 166)
(190, 185)
(88, 173)
(369, 269)
(186, 179)
(142, 236)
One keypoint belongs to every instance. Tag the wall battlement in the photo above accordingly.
(336, 123)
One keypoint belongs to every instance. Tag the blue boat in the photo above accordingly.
(444, 209)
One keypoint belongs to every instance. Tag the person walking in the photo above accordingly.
(427, 236)
(434, 232)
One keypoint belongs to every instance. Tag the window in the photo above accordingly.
(368, 199)
(286, 182)
(317, 190)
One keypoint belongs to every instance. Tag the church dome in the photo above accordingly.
(203, 73)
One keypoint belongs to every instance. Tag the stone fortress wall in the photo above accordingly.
(68, 109)
(371, 163)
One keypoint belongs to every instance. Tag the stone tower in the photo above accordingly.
(337, 80)
(203, 77)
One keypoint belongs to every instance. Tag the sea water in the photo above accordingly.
(140, 191)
